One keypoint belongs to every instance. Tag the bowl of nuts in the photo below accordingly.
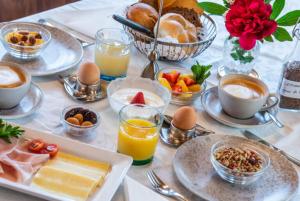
(24, 40)
(239, 163)
(79, 120)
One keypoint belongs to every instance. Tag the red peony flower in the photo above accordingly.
(250, 21)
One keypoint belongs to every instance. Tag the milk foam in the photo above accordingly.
(8, 76)
(241, 91)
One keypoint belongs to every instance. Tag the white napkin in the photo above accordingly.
(135, 191)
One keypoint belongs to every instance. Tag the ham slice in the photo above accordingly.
(17, 164)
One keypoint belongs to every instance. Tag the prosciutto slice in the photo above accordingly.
(17, 164)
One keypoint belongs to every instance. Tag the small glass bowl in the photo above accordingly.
(137, 83)
(24, 52)
(233, 176)
(182, 98)
(75, 130)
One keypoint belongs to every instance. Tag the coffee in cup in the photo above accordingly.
(242, 96)
(14, 84)
(11, 77)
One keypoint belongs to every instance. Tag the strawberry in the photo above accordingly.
(171, 77)
(189, 81)
(177, 89)
(138, 98)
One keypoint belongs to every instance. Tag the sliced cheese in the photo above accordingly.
(91, 169)
(63, 183)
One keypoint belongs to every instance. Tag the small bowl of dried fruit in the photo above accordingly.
(24, 40)
(79, 120)
(186, 85)
(239, 163)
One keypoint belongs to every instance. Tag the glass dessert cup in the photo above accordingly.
(139, 132)
(24, 52)
(141, 84)
(235, 176)
(182, 98)
(76, 130)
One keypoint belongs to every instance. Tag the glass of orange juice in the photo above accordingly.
(139, 132)
(112, 52)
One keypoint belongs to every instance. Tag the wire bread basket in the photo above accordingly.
(176, 51)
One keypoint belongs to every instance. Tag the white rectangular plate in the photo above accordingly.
(120, 165)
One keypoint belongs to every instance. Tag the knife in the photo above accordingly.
(252, 136)
(82, 38)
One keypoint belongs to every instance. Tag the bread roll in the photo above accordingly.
(175, 26)
(143, 14)
(188, 4)
(152, 3)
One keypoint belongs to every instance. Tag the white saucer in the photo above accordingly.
(212, 106)
(28, 105)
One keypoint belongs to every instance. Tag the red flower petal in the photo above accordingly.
(247, 42)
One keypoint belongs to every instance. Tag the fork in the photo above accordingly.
(163, 188)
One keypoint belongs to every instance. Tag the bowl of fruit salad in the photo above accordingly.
(186, 85)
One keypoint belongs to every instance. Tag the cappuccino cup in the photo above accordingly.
(242, 96)
(14, 84)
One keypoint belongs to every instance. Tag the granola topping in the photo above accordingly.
(240, 160)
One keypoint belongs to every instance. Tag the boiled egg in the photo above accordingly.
(185, 118)
(88, 73)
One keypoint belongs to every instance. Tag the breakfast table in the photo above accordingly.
(87, 16)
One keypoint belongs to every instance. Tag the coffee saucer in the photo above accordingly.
(28, 105)
(212, 106)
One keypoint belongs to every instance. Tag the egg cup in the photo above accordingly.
(82, 92)
(177, 134)
(175, 137)
(89, 90)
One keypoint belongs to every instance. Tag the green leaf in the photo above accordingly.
(226, 4)
(201, 72)
(269, 39)
(281, 34)
(268, 1)
(8, 131)
(289, 19)
(277, 8)
(213, 8)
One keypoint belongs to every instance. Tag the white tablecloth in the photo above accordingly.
(90, 15)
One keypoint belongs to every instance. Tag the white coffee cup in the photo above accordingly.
(244, 100)
(12, 96)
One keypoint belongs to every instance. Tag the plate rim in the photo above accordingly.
(181, 180)
(227, 123)
(61, 69)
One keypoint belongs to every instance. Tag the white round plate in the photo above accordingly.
(194, 170)
(63, 52)
(28, 105)
(211, 103)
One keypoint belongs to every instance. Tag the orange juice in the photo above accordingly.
(138, 138)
